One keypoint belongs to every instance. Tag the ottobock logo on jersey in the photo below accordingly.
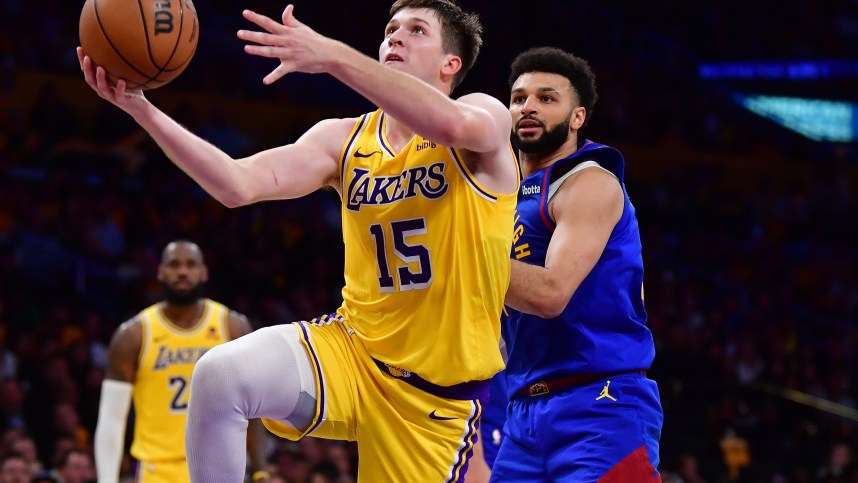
(428, 181)
(168, 357)
(530, 190)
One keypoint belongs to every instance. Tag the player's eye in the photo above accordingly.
(418, 30)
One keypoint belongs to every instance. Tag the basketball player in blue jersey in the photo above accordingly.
(427, 186)
(581, 407)
(151, 360)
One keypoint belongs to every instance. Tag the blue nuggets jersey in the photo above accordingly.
(603, 328)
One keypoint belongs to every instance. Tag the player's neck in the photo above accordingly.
(533, 162)
(397, 133)
(184, 316)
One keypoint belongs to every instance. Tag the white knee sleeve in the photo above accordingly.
(264, 374)
(305, 409)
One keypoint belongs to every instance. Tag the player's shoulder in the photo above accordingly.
(129, 334)
(238, 324)
(608, 157)
(335, 126)
(591, 171)
(330, 134)
(592, 190)
(134, 324)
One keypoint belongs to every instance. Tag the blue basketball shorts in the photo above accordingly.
(491, 434)
(606, 431)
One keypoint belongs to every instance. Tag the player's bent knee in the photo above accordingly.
(264, 374)
(212, 375)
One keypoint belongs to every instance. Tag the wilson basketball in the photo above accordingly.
(146, 42)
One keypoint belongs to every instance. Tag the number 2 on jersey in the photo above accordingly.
(410, 254)
(179, 403)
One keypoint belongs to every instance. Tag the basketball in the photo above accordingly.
(146, 42)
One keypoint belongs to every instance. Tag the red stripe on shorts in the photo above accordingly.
(633, 468)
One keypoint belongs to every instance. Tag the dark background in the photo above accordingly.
(748, 228)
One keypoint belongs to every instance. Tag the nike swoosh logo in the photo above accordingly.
(432, 415)
(159, 339)
(359, 154)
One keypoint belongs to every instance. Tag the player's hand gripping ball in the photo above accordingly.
(146, 42)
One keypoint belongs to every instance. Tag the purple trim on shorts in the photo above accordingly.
(321, 380)
(462, 391)
(464, 456)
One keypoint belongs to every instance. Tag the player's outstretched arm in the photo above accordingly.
(586, 209)
(280, 173)
(476, 122)
(109, 440)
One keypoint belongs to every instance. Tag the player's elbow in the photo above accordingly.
(235, 197)
(236, 186)
(233, 201)
(551, 305)
(549, 311)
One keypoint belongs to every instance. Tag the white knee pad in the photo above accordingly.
(264, 374)
(305, 409)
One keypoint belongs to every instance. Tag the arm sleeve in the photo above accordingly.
(110, 429)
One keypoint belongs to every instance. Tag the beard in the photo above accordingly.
(183, 298)
(550, 140)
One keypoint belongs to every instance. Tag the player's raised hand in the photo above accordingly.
(298, 47)
(96, 78)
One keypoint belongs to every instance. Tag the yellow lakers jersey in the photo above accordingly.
(427, 256)
(167, 359)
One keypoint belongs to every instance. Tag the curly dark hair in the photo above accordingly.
(462, 31)
(556, 61)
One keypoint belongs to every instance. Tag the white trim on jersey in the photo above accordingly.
(555, 186)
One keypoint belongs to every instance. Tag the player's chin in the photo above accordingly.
(528, 137)
(394, 64)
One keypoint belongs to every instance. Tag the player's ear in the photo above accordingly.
(205, 274)
(160, 277)
(452, 66)
(579, 115)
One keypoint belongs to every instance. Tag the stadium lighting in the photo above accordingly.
(793, 70)
(817, 119)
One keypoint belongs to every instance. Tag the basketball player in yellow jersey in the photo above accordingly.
(428, 188)
(151, 360)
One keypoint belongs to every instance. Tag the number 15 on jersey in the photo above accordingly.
(413, 264)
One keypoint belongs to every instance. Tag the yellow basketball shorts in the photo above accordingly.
(406, 428)
(170, 471)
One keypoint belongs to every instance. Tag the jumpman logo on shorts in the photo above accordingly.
(604, 393)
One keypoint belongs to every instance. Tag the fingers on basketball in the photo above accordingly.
(148, 43)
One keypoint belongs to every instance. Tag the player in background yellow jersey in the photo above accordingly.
(151, 359)
(428, 186)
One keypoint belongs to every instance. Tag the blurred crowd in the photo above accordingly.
(747, 228)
